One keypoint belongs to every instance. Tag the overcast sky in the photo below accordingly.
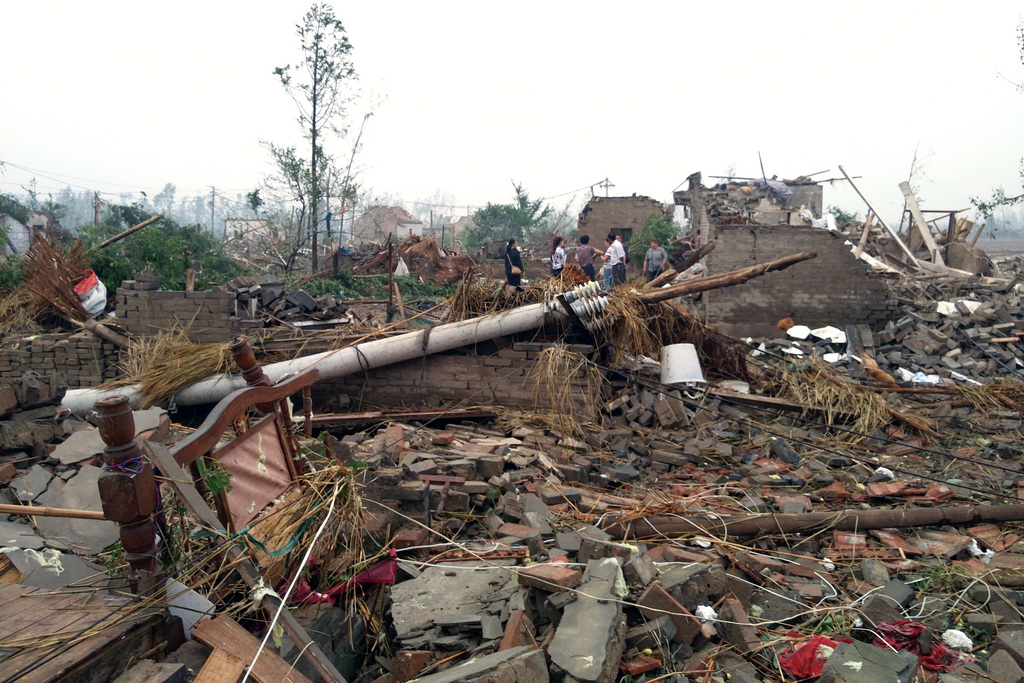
(127, 96)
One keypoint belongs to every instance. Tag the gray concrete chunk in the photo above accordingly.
(589, 640)
(84, 536)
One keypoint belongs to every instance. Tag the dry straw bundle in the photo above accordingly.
(569, 382)
(50, 278)
(165, 364)
(837, 400)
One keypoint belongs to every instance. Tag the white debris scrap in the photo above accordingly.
(885, 472)
(958, 640)
(706, 613)
(975, 550)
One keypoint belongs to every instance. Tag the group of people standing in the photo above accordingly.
(615, 259)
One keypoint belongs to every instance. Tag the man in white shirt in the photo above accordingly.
(617, 260)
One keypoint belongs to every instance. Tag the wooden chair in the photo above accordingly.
(263, 459)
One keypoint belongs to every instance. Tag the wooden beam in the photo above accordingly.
(892, 233)
(129, 231)
(864, 235)
(221, 666)
(922, 226)
(734, 277)
(224, 635)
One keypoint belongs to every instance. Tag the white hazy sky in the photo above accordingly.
(122, 96)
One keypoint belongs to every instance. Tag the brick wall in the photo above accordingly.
(83, 359)
(833, 289)
(602, 215)
(208, 314)
(501, 378)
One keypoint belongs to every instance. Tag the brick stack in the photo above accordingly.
(503, 378)
(82, 359)
(144, 312)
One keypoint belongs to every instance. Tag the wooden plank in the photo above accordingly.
(221, 667)
(186, 490)
(22, 612)
(375, 416)
(74, 656)
(224, 633)
(864, 235)
(922, 226)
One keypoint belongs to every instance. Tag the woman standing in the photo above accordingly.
(513, 265)
(557, 257)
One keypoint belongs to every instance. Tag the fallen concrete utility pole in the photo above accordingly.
(352, 359)
(842, 520)
(735, 277)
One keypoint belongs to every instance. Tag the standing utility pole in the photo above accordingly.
(606, 184)
(96, 208)
(213, 204)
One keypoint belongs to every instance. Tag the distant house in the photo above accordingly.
(252, 228)
(622, 215)
(19, 235)
(377, 222)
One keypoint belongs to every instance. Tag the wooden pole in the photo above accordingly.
(922, 226)
(892, 233)
(842, 520)
(735, 277)
(129, 231)
(103, 332)
(38, 511)
(981, 229)
(391, 272)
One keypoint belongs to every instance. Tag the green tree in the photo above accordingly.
(13, 208)
(165, 248)
(519, 220)
(317, 86)
(656, 227)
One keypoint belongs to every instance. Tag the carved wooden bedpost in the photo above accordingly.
(127, 487)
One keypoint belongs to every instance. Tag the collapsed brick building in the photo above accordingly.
(749, 225)
(623, 215)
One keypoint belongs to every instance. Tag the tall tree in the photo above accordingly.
(317, 85)
(518, 220)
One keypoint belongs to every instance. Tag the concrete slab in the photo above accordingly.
(28, 486)
(518, 665)
(78, 447)
(85, 536)
(15, 534)
(589, 640)
(50, 569)
(444, 593)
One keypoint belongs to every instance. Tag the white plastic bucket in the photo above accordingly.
(680, 365)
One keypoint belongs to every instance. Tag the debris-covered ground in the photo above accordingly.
(838, 502)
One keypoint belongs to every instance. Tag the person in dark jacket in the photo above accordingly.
(513, 265)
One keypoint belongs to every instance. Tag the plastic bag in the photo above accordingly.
(93, 294)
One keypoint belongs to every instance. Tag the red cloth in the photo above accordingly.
(904, 634)
(808, 660)
(381, 573)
